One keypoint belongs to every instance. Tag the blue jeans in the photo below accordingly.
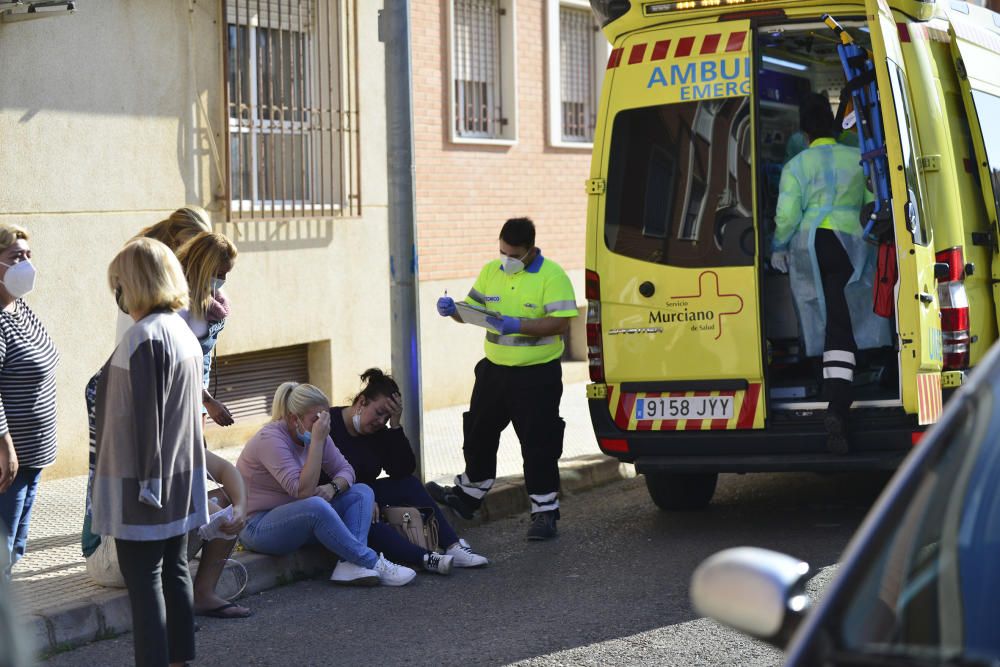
(15, 513)
(383, 537)
(340, 525)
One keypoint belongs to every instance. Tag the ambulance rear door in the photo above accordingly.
(976, 50)
(676, 252)
(917, 312)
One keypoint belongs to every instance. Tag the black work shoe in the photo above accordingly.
(836, 433)
(543, 526)
(447, 496)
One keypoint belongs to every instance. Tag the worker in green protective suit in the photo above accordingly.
(818, 242)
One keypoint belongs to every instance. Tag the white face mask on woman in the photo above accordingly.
(20, 278)
(356, 420)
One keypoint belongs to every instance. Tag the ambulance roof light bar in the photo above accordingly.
(654, 8)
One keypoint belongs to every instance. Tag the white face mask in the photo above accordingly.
(356, 420)
(512, 265)
(20, 278)
(217, 284)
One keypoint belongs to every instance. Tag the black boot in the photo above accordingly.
(837, 411)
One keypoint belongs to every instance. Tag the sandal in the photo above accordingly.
(224, 611)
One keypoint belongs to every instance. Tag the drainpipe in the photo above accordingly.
(394, 32)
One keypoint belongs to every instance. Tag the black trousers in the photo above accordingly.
(840, 347)
(529, 397)
(162, 598)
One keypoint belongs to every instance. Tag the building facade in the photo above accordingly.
(270, 114)
(505, 101)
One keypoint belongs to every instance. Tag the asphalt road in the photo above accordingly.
(611, 590)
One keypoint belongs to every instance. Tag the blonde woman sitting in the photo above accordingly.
(287, 508)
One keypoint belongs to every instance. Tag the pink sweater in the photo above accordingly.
(272, 461)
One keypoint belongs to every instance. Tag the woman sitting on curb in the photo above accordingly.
(361, 434)
(221, 531)
(288, 507)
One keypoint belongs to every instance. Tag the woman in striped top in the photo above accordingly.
(27, 393)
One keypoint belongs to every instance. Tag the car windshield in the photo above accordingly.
(931, 590)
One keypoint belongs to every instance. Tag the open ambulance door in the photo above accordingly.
(676, 254)
(917, 312)
(976, 51)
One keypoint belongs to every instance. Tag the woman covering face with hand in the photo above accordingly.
(288, 507)
(371, 446)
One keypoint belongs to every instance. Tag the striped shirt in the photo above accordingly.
(28, 362)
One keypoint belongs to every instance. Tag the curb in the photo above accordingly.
(108, 614)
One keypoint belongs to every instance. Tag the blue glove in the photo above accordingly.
(446, 306)
(505, 325)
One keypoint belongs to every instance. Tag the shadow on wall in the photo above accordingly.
(263, 235)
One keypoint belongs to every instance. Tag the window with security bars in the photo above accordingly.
(292, 103)
(577, 75)
(481, 69)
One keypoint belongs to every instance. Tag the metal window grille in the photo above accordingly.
(477, 62)
(577, 74)
(292, 102)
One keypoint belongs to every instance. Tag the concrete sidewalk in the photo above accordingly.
(62, 607)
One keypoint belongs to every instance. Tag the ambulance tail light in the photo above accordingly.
(954, 304)
(595, 343)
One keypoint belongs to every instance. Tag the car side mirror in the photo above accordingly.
(756, 591)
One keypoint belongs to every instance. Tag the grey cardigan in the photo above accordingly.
(149, 481)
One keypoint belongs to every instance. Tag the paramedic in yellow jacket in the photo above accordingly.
(818, 242)
(520, 380)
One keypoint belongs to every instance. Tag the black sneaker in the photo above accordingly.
(448, 496)
(543, 526)
(836, 434)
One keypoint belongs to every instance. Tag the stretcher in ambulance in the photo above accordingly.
(698, 357)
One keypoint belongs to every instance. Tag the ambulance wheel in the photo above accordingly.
(681, 491)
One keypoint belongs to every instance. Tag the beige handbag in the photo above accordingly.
(418, 525)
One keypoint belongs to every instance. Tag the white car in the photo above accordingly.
(919, 584)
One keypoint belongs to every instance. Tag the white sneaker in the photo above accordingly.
(434, 562)
(390, 574)
(463, 555)
(349, 574)
(212, 530)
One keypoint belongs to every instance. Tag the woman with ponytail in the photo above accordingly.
(288, 507)
(370, 446)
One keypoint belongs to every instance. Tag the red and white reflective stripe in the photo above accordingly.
(929, 400)
(684, 47)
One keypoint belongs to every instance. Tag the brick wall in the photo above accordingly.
(465, 192)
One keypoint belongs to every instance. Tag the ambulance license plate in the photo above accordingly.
(684, 407)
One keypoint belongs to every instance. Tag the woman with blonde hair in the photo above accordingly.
(179, 227)
(28, 362)
(289, 508)
(207, 258)
(149, 480)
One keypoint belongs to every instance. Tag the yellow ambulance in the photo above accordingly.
(698, 363)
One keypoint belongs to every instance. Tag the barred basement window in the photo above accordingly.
(482, 66)
(578, 79)
(292, 101)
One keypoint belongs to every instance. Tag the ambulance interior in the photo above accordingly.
(795, 60)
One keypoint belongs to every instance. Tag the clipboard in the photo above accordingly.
(472, 314)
